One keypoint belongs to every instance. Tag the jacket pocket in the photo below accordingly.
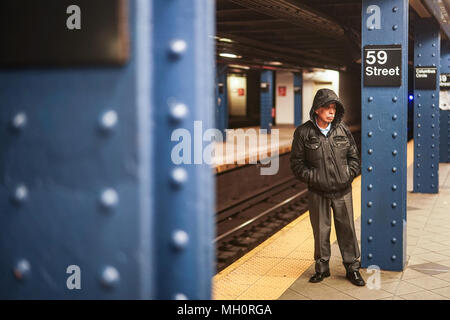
(347, 175)
(313, 150)
(341, 145)
(341, 142)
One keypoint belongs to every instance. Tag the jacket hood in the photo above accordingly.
(322, 97)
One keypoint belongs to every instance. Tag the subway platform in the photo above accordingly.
(281, 266)
(279, 141)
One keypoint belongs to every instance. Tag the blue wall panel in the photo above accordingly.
(384, 136)
(444, 136)
(221, 98)
(80, 139)
(427, 44)
(267, 100)
(184, 75)
(298, 83)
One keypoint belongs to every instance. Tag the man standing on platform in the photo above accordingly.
(324, 155)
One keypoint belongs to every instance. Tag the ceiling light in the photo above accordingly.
(229, 55)
(274, 63)
(238, 66)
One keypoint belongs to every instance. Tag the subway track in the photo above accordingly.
(243, 231)
(262, 210)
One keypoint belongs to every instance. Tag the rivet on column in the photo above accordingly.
(109, 277)
(108, 120)
(19, 121)
(179, 177)
(178, 112)
(177, 48)
(180, 239)
(22, 269)
(109, 199)
(20, 194)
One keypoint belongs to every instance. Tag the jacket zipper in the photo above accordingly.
(334, 156)
(329, 145)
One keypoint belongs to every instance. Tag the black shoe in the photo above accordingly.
(318, 276)
(355, 278)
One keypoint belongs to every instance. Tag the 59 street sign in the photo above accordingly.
(383, 65)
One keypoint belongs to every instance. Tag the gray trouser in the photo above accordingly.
(320, 215)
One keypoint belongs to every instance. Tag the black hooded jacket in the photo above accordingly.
(328, 164)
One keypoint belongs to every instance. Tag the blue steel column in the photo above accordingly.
(444, 136)
(384, 137)
(298, 81)
(266, 100)
(427, 45)
(184, 199)
(75, 186)
(222, 98)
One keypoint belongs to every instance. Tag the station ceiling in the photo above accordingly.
(292, 34)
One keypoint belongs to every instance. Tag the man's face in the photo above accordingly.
(326, 113)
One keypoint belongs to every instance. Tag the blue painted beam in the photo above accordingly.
(444, 136)
(266, 99)
(384, 139)
(221, 98)
(426, 109)
(183, 63)
(298, 84)
(76, 187)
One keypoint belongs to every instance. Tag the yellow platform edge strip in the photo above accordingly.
(218, 282)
